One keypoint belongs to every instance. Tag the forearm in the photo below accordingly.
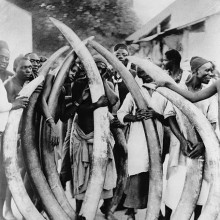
(45, 112)
(175, 128)
(185, 93)
(129, 118)
(194, 96)
(87, 109)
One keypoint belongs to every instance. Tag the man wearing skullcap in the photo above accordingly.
(201, 69)
(4, 61)
(176, 173)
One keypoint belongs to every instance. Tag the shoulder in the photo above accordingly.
(9, 82)
(8, 73)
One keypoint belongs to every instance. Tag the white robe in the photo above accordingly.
(138, 159)
(5, 107)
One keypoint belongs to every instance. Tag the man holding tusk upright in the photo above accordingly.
(9, 93)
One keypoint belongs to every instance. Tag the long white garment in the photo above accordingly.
(138, 160)
(5, 107)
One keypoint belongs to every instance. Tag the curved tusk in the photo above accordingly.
(193, 180)
(50, 167)
(206, 132)
(101, 124)
(122, 171)
(155, 185)
(15, 183)
(29, 147)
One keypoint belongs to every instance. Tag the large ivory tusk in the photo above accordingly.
(31, 157)
(155, 185)
(122, 171)
(12, 172)
(212, 206)
(193, 180)
(50, 167)
(101, 125)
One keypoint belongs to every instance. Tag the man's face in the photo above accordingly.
(24, 69)
(35, 61)
(204, 73)
(167, 64)
(121, 54)
(4, 59)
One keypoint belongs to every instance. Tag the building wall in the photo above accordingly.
(15, 29)
(202, 42)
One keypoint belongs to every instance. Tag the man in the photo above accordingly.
(16, 83)
(201, 70)
(36, 63)
(201, 74)
(5, 107)
(171, 63)
(138, 159)
(82, 139)
(121, 52)
(13, 86)
(4, 61)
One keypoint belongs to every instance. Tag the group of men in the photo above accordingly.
(76, 110)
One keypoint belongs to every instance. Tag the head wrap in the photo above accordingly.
(3, 45)
(197, 62)
(120, 46)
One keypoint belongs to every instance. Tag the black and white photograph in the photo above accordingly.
(109, 109)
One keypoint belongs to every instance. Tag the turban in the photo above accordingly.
(120, 46)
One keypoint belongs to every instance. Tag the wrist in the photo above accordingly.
(50, 121)
(76, 103)
(96, 105)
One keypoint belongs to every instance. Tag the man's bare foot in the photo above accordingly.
(9, 215)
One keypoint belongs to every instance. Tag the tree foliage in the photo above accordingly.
(110, 21)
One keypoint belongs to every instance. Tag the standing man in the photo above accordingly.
(82, 139)
(4, 61)
(13, 86)
(201, 74)
(5, 107)
(201, 70)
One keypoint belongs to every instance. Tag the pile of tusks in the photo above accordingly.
(46, 182)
